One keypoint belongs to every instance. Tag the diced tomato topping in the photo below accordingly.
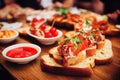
(81, 47)
(102, 22)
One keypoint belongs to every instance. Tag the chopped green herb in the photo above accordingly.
(62, 11)
(91, 36)
(67, 39)
(91, 33)
(74, 40)
(82, 31)
(87, 22)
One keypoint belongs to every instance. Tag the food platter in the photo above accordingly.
(32, 70)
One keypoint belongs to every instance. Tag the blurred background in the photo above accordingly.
(111, 8)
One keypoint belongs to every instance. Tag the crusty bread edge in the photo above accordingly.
(62, 70)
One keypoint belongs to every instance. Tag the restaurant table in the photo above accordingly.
(32, 70)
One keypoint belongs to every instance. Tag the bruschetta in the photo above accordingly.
(77, 55)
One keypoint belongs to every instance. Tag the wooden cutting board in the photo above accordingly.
(32, 70)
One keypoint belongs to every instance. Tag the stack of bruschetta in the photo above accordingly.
(78, 53)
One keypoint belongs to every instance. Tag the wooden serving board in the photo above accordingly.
(32, 70)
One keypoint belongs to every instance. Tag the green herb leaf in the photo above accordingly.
(74, 40)
(82, 31)
(91, 33)
(87, 22)
(91, 36)
(62, 11)
(67, 39)
(77, 40)
(75, 45)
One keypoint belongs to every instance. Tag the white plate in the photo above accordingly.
(11, 26)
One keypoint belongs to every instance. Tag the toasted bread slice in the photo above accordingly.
(54, 54)
(70, 34)
(100, 44)
(112, 30)
(64, 23)
(69, 61)
(105, 54)
(48, 64)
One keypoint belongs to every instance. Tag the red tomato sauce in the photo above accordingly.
(21, 52)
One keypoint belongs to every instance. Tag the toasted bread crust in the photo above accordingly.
(82, 68)
(70, 61)
(62, 24)
(105, 54)
(75, 70)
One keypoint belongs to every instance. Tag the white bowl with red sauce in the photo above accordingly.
(21, 53)
(7, 36)
(44, 40)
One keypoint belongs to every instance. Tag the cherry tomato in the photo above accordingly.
(55, 34)
(42, 19)
(33, 24)
(34, 20)
(48, 35)
(52, 30)
(43, 26)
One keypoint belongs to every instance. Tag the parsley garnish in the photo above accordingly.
(91, 36)
(74, 40)
(62, 11)
(87, 22)
(82, 31)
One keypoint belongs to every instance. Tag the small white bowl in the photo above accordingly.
(46, 41)
(8, 40)
(21, 60)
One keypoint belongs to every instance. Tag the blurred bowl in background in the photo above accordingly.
(7, 36)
